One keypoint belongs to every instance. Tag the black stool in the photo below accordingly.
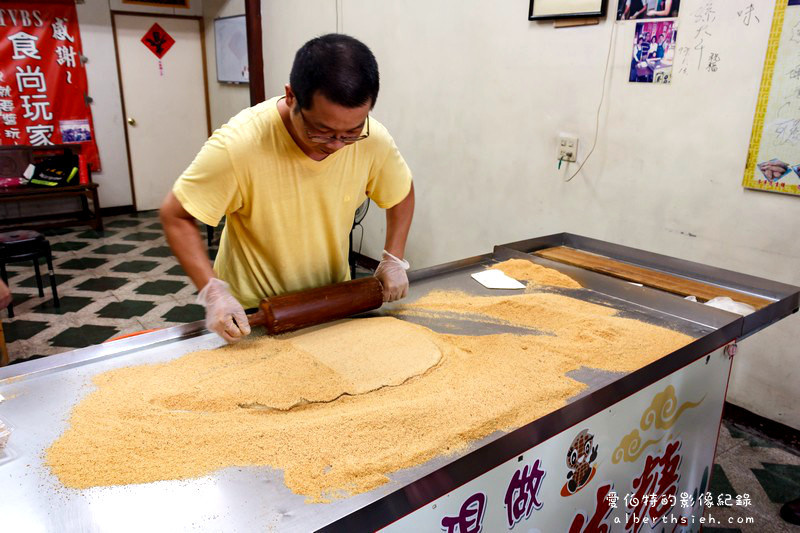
(209, 235)
(27, 245)
(210, 232)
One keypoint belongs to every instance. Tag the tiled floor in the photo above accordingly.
(749, 464)
(112, 283)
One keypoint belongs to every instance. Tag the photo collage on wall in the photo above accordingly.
(653, 40)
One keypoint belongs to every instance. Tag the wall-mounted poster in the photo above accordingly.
(647, 9)
(773, 161)
(158, 3)
(653, 52)
(556, 9)
(43, 88)
(230, 37)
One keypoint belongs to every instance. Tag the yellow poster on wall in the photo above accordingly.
(773, 162)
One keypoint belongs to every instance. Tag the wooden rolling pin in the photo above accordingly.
(297, 310)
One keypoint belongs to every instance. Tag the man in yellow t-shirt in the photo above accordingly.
(288, 174)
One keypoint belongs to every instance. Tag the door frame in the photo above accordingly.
(255, 51)
(122, 93)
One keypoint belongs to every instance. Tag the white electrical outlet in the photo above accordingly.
(567, 148)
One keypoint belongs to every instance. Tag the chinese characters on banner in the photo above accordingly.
(469, 518)
(655, 489)
(522, 494)
(42, 80)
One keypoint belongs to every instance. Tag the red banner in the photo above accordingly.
(43, 89)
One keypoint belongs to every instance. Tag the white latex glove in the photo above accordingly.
(391, 272)
(225, 316)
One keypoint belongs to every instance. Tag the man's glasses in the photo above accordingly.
(326, 139)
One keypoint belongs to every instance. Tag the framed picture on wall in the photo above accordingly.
(557, 9)
(647, 9)
(159, 3)
(230, 44)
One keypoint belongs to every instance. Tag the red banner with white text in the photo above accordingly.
(43, 89)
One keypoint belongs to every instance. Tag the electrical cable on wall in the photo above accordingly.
(611, 42)
(361, 242)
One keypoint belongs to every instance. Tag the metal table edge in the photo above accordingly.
(785, 299)
(631, 293)
(447, 268)
(96, 352)
(755, 285)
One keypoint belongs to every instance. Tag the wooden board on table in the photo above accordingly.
(645, 276)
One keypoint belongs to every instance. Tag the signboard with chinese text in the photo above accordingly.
(43, 88)
(773, 160)
(641, 465)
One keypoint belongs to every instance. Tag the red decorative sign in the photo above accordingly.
(158, 40)
(43, 89)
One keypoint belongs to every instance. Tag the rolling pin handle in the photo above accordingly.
(257, 319)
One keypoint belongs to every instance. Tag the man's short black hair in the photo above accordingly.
(340, 67)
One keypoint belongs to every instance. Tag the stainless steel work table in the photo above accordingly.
(40, 394)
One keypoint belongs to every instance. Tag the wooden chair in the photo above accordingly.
(13, 162)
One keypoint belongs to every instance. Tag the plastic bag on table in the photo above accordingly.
(57, 171)
(5, 433)
(728, 304)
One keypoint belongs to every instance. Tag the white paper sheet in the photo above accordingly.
(495, 279)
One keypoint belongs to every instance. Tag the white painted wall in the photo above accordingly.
(94, 19)
(475, 96)
(287, 24)
(195, 8)
(225, 99)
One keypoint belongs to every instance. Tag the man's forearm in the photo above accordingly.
(398, 222)
(185, 242)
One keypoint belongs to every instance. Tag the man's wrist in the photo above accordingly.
(388, 256)
(215, 285)
(397, 251)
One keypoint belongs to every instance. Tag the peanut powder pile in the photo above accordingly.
(340, 408)
(523, 270)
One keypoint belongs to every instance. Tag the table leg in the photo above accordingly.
(3, 349)
(49, 256)
(38, 276)
(98, 219)
(85, 205)
(4, 277)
